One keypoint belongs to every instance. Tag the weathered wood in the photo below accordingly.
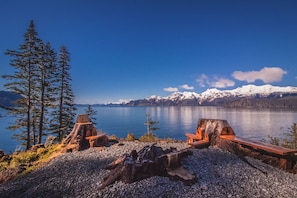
(208, 130)
(149, 161)
(219, 133)
(82, 118)
(84, 135)
(97, 140)
(281, 157)
(260, 145)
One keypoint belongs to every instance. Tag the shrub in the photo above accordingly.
(148, 137)
(113, 137)
(23, 158)
(130, 137)
(291, 138)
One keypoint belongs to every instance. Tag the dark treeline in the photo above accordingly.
(41, 77)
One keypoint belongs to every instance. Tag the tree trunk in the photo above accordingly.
(149, 161)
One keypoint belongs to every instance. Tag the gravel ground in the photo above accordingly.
(219, 173)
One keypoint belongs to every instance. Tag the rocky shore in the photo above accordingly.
(219, 174)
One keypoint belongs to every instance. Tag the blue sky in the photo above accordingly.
(135, 49)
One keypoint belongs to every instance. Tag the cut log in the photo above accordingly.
(149, 161)
(208, 131)
(84, 135)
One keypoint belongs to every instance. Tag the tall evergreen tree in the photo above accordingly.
(47, 79)
(91, 113)
(63, 116)
(22, 82)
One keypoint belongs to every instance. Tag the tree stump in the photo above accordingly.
(84, 136)
(149, 161)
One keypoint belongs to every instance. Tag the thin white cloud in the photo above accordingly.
(202, 79)
(267, 75)
(216, 82)
(171, 89)
(187, 87)
(222, 83)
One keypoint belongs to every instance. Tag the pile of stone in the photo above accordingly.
(218, 173)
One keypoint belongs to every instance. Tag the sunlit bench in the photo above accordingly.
(284, 154)
(198, 140)
(97, 140)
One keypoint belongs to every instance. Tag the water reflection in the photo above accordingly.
(175, 121)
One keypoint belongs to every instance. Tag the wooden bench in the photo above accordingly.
(97, 140)
(285, 154)
(191, 138)
(198, 140)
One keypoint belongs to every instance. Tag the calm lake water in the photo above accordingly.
(174, 122)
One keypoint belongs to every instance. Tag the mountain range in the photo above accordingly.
(248, 96)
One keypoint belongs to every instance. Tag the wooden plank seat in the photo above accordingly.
(259, 145)
(191, 138)
(97, 140)
(284, 154)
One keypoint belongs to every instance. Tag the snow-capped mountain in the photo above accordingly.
(217, 97)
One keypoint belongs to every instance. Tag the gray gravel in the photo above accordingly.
(219, 173)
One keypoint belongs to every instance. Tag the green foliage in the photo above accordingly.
(291, 134)
(274, 140)
(23, 82)
(148, 137)
(91, 113)
(130, 137)
(291, 138)
(28, 158)
(150, 124)
(43, 82)
(63, 116)
(22, 158)
(112, 137)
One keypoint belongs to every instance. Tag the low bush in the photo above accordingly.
(291, 138)
(148, 137)
(130, 137)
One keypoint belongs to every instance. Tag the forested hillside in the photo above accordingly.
(289, 102)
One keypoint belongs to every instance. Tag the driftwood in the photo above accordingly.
(149, 161)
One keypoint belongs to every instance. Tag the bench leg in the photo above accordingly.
(92, 143)
(190, 140)
(285, 164)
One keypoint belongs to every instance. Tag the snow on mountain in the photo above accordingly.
(265, 90)
(212, 94)
(154, 97)
(181, 96)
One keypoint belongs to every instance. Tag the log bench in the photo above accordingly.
(205, 129)
(97, 140)
(191, 138)
(284, 154)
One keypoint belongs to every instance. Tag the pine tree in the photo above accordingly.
(150, 124)
(22, 82)
(91, 113)
(63, 116)
(45, 89)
